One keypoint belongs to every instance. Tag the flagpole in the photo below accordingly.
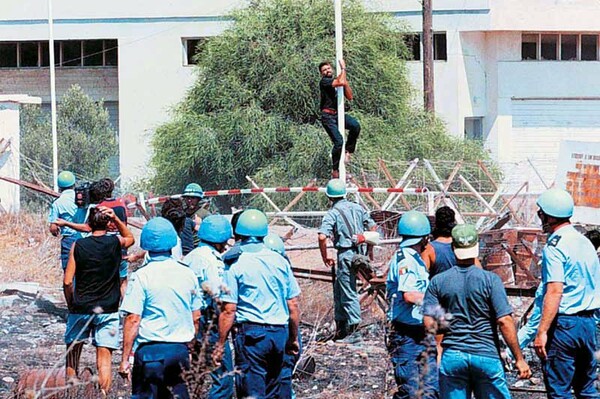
(339, 55)
(53, 97)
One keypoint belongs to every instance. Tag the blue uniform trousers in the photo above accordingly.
(414, 361)
(570, 362)
(345, 297)
(66, 242)
(157, 371)
(259, 351)
(222, 376)
(289, 362)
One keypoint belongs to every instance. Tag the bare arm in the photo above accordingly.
(342, 80)
(323, 249)
(226, 320)
(83, 227)
(413, 297)
(430, 324)
(68, 278)
(509, 333)
(196, 317)
(550, 307)
(131, 326)
(54, 229)
(126, 237)
(293, 347)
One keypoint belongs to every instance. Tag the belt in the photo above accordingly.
(329, 111)
(151, 343)
(583, 313)
(260, 325)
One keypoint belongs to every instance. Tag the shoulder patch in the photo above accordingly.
(554, 241)
(402, 270)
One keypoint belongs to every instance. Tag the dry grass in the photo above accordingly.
(29, 251)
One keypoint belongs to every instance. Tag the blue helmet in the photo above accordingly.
(413, 226)
(158, 235)
(556, 203)
(252, 223)
(335, 189)
(275, 243)
(215, 229)
(65, 179)
(193, 190)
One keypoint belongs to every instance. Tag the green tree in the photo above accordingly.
(86, 139)
(253, 109)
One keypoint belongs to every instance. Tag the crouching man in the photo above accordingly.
(162, 304)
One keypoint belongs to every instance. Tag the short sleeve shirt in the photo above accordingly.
(64, 207)
(475, 299)
(260, 282)
(208, 266)
(334, 225)
(407, 273)
(164, 293)
(328, 94)
(570, 258)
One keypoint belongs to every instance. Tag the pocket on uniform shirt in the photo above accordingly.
(566, 323)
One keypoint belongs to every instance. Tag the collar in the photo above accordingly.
(159, 256)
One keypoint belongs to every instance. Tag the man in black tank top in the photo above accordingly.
(94, 301)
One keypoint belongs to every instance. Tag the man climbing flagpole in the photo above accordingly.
(333, 117)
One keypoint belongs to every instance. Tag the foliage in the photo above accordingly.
(254, 107)
(86, 140)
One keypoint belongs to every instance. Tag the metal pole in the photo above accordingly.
(428, 96)
(339, 55)
(53, 97)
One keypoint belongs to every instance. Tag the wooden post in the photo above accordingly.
(428, 91)
(294, 201)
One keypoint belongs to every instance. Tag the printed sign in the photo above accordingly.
(578, 171)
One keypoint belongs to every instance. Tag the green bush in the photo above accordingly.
(254, 107)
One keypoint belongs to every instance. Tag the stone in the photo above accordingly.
(21, 288)
(9, 301)
(8, 380)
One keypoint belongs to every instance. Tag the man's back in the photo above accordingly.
(476, 299)
(343, 220)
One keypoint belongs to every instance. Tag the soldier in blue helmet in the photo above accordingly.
(566, 339)
(64, 207)
(162, 307)
(345, 224)
(192, 195)
(413, 353)
(207, 264)
(260, 300)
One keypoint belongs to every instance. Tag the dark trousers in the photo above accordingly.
(259, 352)
(289, 362)
(157, 371)
(570, 362)
(66, 242)
(222, 376)
(414, 359)
(331, 127)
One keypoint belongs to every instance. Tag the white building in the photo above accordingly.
(519, 75)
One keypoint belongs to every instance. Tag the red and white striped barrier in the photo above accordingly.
(243, 191)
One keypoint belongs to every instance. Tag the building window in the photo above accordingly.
(29, 54)
(529, 46)
(8, 55)
(474, 128)
(589, 47)
(563, 46)
(549, 47)
(440, 51)
(68, 53)
(413, 45)
(191, 47)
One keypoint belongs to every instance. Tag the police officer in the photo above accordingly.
(344, 223)
(207, 264)
(275, 243)
(261, 299)
(162, 304)
(192, 197)
(413, 353)
(64, 207)
(566, 338)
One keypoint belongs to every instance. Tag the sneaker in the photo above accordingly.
(354, 338)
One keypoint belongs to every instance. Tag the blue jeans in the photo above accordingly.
(103, 328)
(462, 374)
(331, 127)
(570, 362)
(157, 371)
(414, 358)
(259, 351)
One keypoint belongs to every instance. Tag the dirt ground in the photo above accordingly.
(31, 332)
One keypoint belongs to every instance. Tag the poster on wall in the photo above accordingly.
(578, 171)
